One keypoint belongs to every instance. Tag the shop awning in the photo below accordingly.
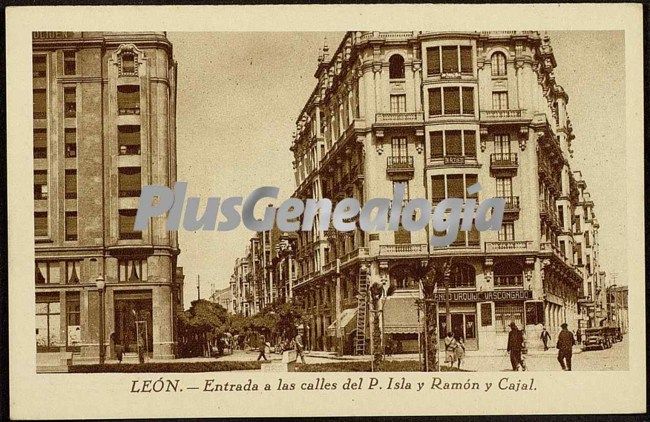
(401, 316)
(347, 320)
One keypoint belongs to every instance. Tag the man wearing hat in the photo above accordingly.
(565, 342)
(515, 346)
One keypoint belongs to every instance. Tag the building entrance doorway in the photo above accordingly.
(463, 324)
(133, 316)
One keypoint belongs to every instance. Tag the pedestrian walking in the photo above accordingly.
(262, 348)
(515, 346)
(565, 342)
(300, 347)
(450, 348)
(459, 352)
(545, 336)
(579, 336)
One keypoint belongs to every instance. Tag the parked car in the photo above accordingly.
(595, 338)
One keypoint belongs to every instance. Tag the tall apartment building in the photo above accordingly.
(240, 287)
(441, 111)
(617, 307)
(104, 125)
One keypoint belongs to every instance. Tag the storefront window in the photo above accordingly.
(507, 312)
(48, 320)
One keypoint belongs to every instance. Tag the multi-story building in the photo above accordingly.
(240, 287)
(223, 297)
(104, 125)
(440, 111)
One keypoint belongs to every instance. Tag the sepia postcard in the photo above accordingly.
(325, 210)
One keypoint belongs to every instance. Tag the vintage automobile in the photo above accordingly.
(613, 334)
(595, 338)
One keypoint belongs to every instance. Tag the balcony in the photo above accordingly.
(403, 249)
(509, 116)
(399, 119)
(508, 246)
(508, 280)
(504, 164)
(512, 208)
(400, 167)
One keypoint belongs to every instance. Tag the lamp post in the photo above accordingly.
(101, 284)
(376, 292)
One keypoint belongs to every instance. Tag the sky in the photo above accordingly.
(239, 95)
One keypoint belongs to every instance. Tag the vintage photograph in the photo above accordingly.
(536, 118)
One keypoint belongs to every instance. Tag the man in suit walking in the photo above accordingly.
(565, 342)
(515, 346)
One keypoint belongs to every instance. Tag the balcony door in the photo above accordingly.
(400, 147)
(504, 187)
(502, 144)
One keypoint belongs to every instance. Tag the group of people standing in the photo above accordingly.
(516, 345)
(454, 349)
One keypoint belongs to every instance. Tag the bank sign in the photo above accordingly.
(491, 296)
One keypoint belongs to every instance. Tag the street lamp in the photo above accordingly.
(101, 284)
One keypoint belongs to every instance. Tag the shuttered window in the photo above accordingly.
(435, 102)
(40, 143)
(452, 100)
(436, 144)
(71, 225)
(40, 103)
(455, 188)
(470, 142)
(433, 60)
(40, 223)
(453, 143)
(468, 100)
(466, 62)
(437, 188)
(129, 181)
(126, 222)
(449, 59)
(71, 184)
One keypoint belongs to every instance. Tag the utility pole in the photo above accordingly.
(198, 286)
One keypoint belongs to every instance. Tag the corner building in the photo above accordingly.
(104, 126)
(440, 111)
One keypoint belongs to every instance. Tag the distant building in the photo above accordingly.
(617, 307)
(104, 125)
(224, 298)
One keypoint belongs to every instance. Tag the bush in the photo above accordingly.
(364, 366)
(165, 367)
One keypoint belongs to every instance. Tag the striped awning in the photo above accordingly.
(401, 316)
(347, 319)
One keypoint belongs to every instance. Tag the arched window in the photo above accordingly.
(508, 273)
(462, 275)
(396, 67)
(498, 64)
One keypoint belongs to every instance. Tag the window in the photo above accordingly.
(468, 100)
(40, 143)
(499, 101)
(40, 104)
(462, 275)
(70, 142)
(70, 225)
(452, 100)
(399, 147)
(39, 67)
(435, 102)
(504, 187)
(48, 321)
(128, 140)
(455, 188)
(508, 273)
(402, 236)
(560, 215)
(453, 143)
(47, 272)
(407, 193)
(71, 184)
(437, 148)
(128, 63)
(578, 253)
(396, 67)
(450, 59)
(507, 232)
(69, 63)
(502, 144)
(469, 142)
(128, 99)
(126, 223)
(40, 223)
(504, 313)
(471, 179)
(131, 271)
(398, 103)
(40, 184)
(72, 271)
(498, 64)
(466, 61)
(563, 247)
(433, 61)
(437, 188)
(129, 182)
(587, 240)
(70, 102)
(73, 318)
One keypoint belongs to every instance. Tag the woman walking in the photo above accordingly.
(459, 352)
(450, 349)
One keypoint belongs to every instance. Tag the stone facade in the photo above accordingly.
(442, 111)
(104, 125)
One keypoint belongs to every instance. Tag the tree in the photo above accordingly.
(200, 324)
